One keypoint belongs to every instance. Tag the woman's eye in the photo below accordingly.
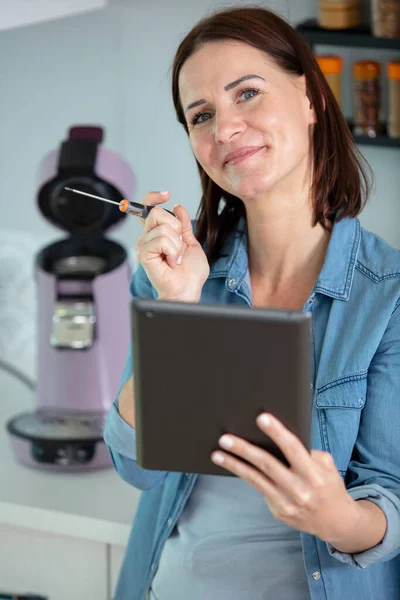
(249, 93)
(200, 118)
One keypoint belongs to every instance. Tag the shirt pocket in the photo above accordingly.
(339, 406)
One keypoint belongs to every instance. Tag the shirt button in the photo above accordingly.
(169, 522)
(311, 386)
(231, 283)
(316, 575)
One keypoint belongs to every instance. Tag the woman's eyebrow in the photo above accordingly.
(226, 88)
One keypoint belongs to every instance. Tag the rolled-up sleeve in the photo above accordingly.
(121, 441)
(118, 435)
(389, 546)
(374, 471)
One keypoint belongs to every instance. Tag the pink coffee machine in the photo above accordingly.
(83, 307)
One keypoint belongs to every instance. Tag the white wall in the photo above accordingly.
(14, 13)
(112, 67)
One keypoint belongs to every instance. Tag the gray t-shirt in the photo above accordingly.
(227, 545)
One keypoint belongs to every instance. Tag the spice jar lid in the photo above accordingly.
(365, 69)
(393, 70)
(338, 5)
(330, 63)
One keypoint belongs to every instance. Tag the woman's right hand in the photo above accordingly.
(171, 256)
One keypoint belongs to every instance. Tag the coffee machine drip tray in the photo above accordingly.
(60, 440)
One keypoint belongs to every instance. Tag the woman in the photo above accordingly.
(282, 185)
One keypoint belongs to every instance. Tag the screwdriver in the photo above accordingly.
(130, 208)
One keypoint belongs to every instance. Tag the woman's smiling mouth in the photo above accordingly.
(241, 154)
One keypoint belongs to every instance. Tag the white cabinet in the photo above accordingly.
(117, 554)
(62, 535)
(59, 567)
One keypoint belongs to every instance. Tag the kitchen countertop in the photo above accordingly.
(97, 506)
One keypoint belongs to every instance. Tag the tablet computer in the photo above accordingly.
(202, 370)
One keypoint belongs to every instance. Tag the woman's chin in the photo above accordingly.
(251, 189)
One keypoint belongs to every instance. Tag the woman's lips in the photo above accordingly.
(241, 154)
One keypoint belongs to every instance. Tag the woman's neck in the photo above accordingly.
(283, 244)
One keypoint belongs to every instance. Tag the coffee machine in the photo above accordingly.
(82, 286)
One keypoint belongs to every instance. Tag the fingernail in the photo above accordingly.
(217, 457)
(164, 193)
(176, 205)
(264, 420)
(225, 441)
(178, 262)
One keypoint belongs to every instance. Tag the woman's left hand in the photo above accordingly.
(310, 495)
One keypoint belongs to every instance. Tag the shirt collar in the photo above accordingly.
(336, 276)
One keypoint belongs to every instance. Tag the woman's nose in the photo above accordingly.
(227, 125)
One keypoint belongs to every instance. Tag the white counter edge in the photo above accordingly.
(58, 523)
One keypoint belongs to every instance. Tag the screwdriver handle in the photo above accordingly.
(139, 210)
(149, 208)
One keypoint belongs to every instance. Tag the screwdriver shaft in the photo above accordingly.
(92, 196)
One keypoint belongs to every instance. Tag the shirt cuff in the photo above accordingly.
(118, 435)
(389, 503)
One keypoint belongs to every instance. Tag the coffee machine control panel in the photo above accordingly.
(64, 454)
(60, 438)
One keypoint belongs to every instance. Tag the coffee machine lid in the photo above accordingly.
(82, 162)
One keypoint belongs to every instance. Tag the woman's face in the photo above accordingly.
(246, 105)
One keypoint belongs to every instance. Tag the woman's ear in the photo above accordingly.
(320, 92)
(312, 107)
(313, 116)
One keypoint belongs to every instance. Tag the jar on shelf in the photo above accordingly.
(393, 121)
(332, 67)
(367, 101)
(386, 18)
(338, 14)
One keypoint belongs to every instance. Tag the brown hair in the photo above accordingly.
(341, 184)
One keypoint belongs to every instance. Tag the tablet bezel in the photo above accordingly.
(171, 339)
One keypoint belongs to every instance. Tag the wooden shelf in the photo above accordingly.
(380, 140)
(360, 37)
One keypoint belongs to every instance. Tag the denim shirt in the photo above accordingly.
(355, 414)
